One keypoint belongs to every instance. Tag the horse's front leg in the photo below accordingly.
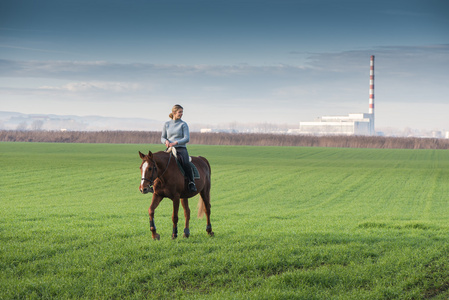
(185, 205)
(154, 204)
(175, 217)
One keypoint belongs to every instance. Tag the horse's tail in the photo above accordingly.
(201, 208)
(201, 205)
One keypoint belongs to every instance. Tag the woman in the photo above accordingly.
(175, 133)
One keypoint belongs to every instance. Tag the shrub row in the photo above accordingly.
(250, 139)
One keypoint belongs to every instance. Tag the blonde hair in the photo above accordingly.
(175, 109)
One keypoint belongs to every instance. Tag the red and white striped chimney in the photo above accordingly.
(371, 86)
(371, 95)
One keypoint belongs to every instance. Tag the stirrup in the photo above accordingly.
(192, 187)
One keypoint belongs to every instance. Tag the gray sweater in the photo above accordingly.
(176, 130)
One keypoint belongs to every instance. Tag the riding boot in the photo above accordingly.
(192, 186)
(182, 152)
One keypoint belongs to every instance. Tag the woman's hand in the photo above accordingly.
(168, 144)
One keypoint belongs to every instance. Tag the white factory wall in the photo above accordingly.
(353, 124)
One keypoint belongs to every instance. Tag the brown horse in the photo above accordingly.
(162, 176)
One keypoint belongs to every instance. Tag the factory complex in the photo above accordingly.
(353, 124)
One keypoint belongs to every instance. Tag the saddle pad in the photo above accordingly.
(196, 174)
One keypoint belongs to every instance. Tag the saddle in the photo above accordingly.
(196, 173)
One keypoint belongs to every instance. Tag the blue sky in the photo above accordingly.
(246, 61)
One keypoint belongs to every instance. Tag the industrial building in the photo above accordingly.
(353, 124)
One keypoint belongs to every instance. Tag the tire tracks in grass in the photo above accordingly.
(346, 185)
(411, 199)
(408, 196)
(436, 197)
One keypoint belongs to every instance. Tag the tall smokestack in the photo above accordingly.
(371, 93)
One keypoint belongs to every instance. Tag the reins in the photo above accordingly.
(166, 167)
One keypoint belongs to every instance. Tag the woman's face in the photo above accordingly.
(178, 114)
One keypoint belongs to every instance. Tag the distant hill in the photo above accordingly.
(20, 121)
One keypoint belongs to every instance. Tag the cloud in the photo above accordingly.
(411, 70)
(403, 74)
(103, 69)
(36, 49)
(95, 86)
(393, 61)
(51, 69)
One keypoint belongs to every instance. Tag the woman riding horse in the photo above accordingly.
(162, 177)
(175, 133)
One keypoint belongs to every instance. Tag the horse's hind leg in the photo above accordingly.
(175, 218)
(185, 205)
(205, 196)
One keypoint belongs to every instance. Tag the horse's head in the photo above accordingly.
(148, 171)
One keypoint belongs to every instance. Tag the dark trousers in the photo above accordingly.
(184, 155)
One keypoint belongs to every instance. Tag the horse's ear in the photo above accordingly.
(141, 155)
(150, 155)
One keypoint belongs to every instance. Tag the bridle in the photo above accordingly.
(151, 181)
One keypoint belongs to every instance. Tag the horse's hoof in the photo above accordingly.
(186, 235)
(174, 236)
(156, 237)
(186, 232)
(211, 233)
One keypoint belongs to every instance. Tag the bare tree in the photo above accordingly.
(37, 125)
(22, 126)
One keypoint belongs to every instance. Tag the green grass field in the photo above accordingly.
(289, 223)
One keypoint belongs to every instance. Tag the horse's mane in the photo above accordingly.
(173, 151)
